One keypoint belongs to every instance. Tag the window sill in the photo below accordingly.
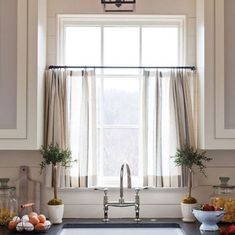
(117, 189)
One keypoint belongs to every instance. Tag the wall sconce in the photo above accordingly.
(118, 5)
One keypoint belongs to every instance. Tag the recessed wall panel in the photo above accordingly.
(8, 64)
(229, 63)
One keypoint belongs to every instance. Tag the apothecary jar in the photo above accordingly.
(224, 197)
(8, 203)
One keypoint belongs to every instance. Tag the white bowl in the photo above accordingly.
(209, 219)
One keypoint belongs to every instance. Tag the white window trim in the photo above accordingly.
(64, 20)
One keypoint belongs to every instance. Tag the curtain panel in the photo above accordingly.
(167, 123)
(66, 93)
(56, 115)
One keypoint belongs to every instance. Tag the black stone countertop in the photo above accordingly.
(188, 228)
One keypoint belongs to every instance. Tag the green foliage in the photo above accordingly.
(189, 200)
(187, 156)
(55, 202)
(52, 154)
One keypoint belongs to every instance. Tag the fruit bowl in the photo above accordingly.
(209, 219)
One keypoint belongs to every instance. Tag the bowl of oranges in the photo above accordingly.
(32, 222)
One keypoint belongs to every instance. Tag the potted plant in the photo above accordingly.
(190, 158)
(55, 156)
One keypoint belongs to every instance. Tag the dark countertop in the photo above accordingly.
(188, 228)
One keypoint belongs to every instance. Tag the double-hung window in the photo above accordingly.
(119, 41)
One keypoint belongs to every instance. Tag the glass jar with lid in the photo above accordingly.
(8, 203)
(224, 197)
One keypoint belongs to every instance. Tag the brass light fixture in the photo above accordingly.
(118, 5)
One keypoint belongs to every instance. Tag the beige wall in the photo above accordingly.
(154, 203)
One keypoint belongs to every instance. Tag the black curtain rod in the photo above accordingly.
(120, 67)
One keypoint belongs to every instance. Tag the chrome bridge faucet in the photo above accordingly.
(125, 164)
(121, 202)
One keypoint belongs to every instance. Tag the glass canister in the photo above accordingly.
(224, 197)
(8, 203)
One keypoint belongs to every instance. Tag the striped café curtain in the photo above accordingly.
(167, 123)
(73, 92)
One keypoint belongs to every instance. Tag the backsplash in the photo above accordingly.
(85, 203)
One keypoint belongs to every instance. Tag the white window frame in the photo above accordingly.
(64, 21)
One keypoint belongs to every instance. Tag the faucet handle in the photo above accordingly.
(105, 190)
(138, 189)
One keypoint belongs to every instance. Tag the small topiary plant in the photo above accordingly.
(189, 157)
(54, 155)
(55, 202)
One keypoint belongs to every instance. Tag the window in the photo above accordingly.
(119, 41)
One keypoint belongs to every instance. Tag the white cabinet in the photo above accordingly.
(13, 68)
(216, 69)
(225, 68)
(26, 130)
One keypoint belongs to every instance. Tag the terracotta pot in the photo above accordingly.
(186, 209)
(55, 213)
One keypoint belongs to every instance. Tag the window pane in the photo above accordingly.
(75, 105)
(121, 101)
(120, 145)
(83, 46)
(160, 46)
(121, 46)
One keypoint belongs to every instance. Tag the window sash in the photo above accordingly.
(119, 21)
(102, 21)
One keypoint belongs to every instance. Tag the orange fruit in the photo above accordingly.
(42, 218)
(31, 214)
(40, 227)
(34, 220)
(12, 225)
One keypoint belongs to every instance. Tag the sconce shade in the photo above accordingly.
(118, 5)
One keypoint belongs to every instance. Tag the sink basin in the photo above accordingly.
(122, 228)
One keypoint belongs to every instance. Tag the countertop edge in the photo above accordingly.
(188, 228)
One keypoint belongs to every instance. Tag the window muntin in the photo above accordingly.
(118, 127)
(125, 43)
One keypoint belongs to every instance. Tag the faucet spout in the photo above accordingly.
(125, 164)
